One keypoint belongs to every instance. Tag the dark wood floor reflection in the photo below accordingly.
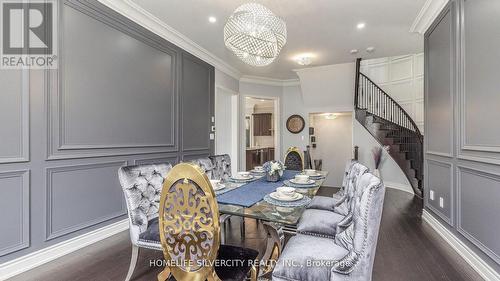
(407, 250)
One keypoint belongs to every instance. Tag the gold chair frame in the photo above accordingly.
(187, 176)
(297, 150)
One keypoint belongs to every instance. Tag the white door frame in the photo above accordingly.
(234, 125)
(276, 126)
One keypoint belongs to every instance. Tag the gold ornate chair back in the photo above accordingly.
(189, 224)
(294, 159)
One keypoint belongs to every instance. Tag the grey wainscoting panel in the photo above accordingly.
(440, 180)
(14, 116)
(14, 207)
(81, 196)
(116, 92)
(439, 103)
(158, 160)
(478, 217)
(189, 157)
(480, 96)
(196, 98)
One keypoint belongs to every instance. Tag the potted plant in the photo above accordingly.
(274, 170)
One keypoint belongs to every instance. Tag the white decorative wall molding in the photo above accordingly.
(139, 15)
(50, 233)
(269, 81)
(427, 15)
(45, 255)
(24, 155)
(401, 77)
(24, 209)
(478, 264)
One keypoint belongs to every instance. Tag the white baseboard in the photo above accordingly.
(32, 260)
(478, 264)
(399, 186)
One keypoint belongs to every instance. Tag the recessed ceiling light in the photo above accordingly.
(212, 19)
(353, 51)
(361, 25)
(370, 49)
(304, 59)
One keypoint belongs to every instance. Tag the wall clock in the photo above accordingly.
(295, 124)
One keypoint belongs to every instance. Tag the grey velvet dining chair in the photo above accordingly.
(142, 185)
(328, 203)
(333, 215)
(350, 255)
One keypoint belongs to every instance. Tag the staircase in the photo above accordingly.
(390, 125)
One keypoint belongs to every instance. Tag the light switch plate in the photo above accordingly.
(441, 202)
(431, 194)
(212, 136)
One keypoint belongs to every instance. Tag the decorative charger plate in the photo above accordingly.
(295, 124)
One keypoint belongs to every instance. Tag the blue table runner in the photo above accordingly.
(253, 192)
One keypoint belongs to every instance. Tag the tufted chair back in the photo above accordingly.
(221, 166)
(345, 179)
(344, 206)
(142, 185)
(206, 165)
(360, 238)
(294, 159)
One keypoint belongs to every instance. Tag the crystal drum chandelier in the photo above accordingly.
(255, 34)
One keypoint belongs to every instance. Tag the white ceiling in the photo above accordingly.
(326, 28)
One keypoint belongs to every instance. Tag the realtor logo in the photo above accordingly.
(28, 35)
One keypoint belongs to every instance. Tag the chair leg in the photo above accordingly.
(242, 228)
(133, 262)
(164, 275)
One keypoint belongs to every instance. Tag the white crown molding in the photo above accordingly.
(269, 81)
(478, 264)
(139, 15)
(427, 15)
(45, 255)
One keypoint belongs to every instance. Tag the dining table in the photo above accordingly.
(276, 218)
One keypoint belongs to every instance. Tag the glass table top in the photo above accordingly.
(265, 211)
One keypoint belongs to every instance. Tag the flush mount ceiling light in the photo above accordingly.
(370, 49)
(360, 25)
(304, 59)
(330, 116)
(354, 51)
(254, 34)
(212, 19)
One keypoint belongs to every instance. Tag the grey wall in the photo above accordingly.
(462, 140)
(121, 96)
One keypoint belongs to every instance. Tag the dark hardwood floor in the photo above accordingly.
(408, 249)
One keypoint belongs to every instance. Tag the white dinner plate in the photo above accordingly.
(303, 183)
(238, 177)
(314, 175)
(279, 197)
(258, 171)
(219, 186)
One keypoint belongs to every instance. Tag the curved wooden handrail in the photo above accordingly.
(405, 114)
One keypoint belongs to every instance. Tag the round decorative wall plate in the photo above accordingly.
(295, 124)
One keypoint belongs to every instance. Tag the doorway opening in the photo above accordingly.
(261, 132)
(331, 144)
(226, 124)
